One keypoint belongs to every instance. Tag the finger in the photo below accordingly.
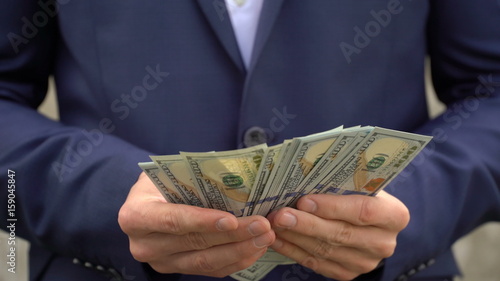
(254, 227)
(332, 232)
(216, 261)
(239, 265)
(175, 219)
(324, 267)
(151, 246)
(144, 185)
(145, 211)
(382, 210)
(357, 259)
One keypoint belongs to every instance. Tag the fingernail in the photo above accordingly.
(224, 224)
(263, 241)
(287, 220)
(308, 205)
(277, 244)
(256, 228)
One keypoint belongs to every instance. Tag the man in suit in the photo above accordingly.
(156, 77)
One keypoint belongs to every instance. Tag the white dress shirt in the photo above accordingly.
(244, 16)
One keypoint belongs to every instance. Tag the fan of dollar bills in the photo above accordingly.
(260, 179)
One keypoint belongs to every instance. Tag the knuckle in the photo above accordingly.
(171, 222)
(123, 219)
(400, 218)
(342, 235)
(310, 262)
(129, 220)
(201, 263)
(140, 253)
(323, 249)
(196, 241)
(386, 250)
(405, 217)
(366, 266)
(367, 211)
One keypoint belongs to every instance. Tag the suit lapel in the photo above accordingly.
(270, 12)
(218, 17)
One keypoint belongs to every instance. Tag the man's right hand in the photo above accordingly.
(176, 238)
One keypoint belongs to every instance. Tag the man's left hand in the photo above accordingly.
(340, 237)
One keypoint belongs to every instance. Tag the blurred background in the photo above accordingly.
(478, 254)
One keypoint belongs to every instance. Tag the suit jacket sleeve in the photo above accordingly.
(71, 181)
(454, 185)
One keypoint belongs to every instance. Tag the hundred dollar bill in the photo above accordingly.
(323, 165)
(262, 266)
(174, 168)
(255, 272)
(271, 190)
(265, 169)
(161, 182)
(271, 256)
(380, 158)
(345, 143)
(310, 150)
(226, 178)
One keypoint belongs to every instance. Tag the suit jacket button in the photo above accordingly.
(402, 278)
(76, 261)
(88, 265)
(411, 272)
(255, 136)
(114, 275)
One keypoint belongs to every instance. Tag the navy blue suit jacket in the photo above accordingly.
(136, 78)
